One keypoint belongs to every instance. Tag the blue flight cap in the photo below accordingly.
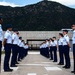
(15, 30)
(8, 26)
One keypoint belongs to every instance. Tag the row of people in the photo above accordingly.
(14, 44)
(49, 49)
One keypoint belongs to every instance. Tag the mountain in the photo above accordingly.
(42, 16)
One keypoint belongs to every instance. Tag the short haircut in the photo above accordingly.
(65, 31)
(20, 37)
(54, 37)
(51, 39)
(61, 34)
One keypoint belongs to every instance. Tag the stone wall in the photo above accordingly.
(40, 34)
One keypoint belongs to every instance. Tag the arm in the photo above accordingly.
(4, 43)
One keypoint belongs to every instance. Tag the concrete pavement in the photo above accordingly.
(35, 64)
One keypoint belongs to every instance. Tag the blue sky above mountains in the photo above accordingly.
(14, 3)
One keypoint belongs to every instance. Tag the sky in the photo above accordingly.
(14, 3)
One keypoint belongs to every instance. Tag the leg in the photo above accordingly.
(51, 53)
(74, 56)
(7, 57)
(55, 54)
(0, 51)
(67, 57)
(13, 56)
(61, 55)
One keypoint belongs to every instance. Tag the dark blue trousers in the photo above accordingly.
(51, 53)
(26, 51)
(55, 53)
(14, 55)
(0, 51)
(19, 54)
(22, 53)
(61, 55)
(43, 51)
(8, 48)
(47, 52)
(67, 56)
(74, 55)
(40, 51)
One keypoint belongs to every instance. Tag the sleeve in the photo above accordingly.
(73, 38)
(1, 33)
(13, 37)
(55, 42)
(67, 39)
(6, 36)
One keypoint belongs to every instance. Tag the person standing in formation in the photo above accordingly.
(73, 42)
(1, 38)
(66, 49)
(47, 48)
(14, 48)
(19, 47)
(60, 45)
(51, 48)
(55, 49)
(7, 46)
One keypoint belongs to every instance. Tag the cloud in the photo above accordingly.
(8, 4)
(66, 2)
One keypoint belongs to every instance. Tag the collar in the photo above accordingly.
(8, 31)
(66, 35)
(73, 30)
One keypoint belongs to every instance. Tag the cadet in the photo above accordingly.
(47, 48)
(7, 45)
(19, 45)
(22, 49)
(73, 42)
(66, 46)
(26, 48)
(60, 43)
(55, 49)
(51, 48)
(1, 37)
(42, 49)
(14, 48)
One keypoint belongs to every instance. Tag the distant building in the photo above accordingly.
(66, 29)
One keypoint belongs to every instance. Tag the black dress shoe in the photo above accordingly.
(73, 72)
(67, 67)
(8, 70)
(60, 64)
(51, 59)
(19, 60)
(13, 66)
(54, 61)
(64, 66)
(16, 63)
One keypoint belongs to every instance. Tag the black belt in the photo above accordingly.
(60, 45)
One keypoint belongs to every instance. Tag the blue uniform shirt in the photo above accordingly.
(1, 33)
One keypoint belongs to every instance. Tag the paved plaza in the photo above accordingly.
(35, 64)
